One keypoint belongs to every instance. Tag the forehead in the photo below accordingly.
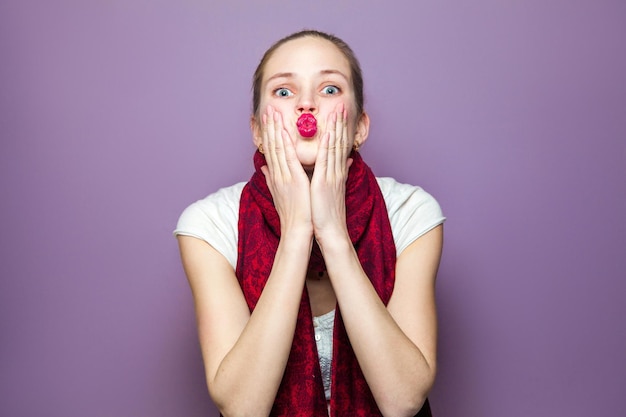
(307, 55)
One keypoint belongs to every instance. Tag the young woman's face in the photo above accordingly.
(307, 75)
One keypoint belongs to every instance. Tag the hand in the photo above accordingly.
(284, 175)
(328, 184)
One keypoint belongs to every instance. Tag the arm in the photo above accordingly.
(395, 345)
(241, 350)
(245, 354)
(399, 363)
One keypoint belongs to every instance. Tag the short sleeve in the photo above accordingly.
(412, 211)
(214, 220)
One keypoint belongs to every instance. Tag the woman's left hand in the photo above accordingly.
(328, 184)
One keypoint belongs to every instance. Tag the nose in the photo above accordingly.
(306, 103)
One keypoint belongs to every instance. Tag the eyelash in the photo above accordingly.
(282, 88)
(277, 90)
(338, 90)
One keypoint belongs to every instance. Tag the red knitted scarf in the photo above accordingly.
(301, 392)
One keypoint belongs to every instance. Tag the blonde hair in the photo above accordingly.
(355, 67)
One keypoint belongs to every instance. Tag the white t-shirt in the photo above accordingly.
(412, 212)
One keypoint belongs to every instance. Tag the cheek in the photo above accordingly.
(280, 104)
(263, 104)
(352, 116)
(268, 98)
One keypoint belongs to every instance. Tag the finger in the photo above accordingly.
(321, 162)
(265, 140)
(275, 167)
(333, 146)
(285, 150)
(290, 152)
(340, 157)
(267, 143)
(344, 133)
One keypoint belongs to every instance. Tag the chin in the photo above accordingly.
(307, 155)
(308, 164)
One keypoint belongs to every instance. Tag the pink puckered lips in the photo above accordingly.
(307, 125)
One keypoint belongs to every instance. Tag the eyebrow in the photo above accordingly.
(291, 74)
(280, 75)
(337, 72)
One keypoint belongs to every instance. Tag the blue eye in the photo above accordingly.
(330, 89)
(283, 92)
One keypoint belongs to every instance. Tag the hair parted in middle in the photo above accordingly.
(355, 67)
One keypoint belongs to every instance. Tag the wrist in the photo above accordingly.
(333, 241)
(297, 233)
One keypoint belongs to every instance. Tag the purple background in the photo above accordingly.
(115, 115)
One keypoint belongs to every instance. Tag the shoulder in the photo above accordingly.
(215, 207)
(406, 198)
(214, 220)
(412, 211)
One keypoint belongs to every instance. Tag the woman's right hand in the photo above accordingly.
(285, 177)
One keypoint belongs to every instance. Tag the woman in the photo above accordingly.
(314, 282)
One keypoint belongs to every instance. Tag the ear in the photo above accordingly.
(255, 129)
(362, 129)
